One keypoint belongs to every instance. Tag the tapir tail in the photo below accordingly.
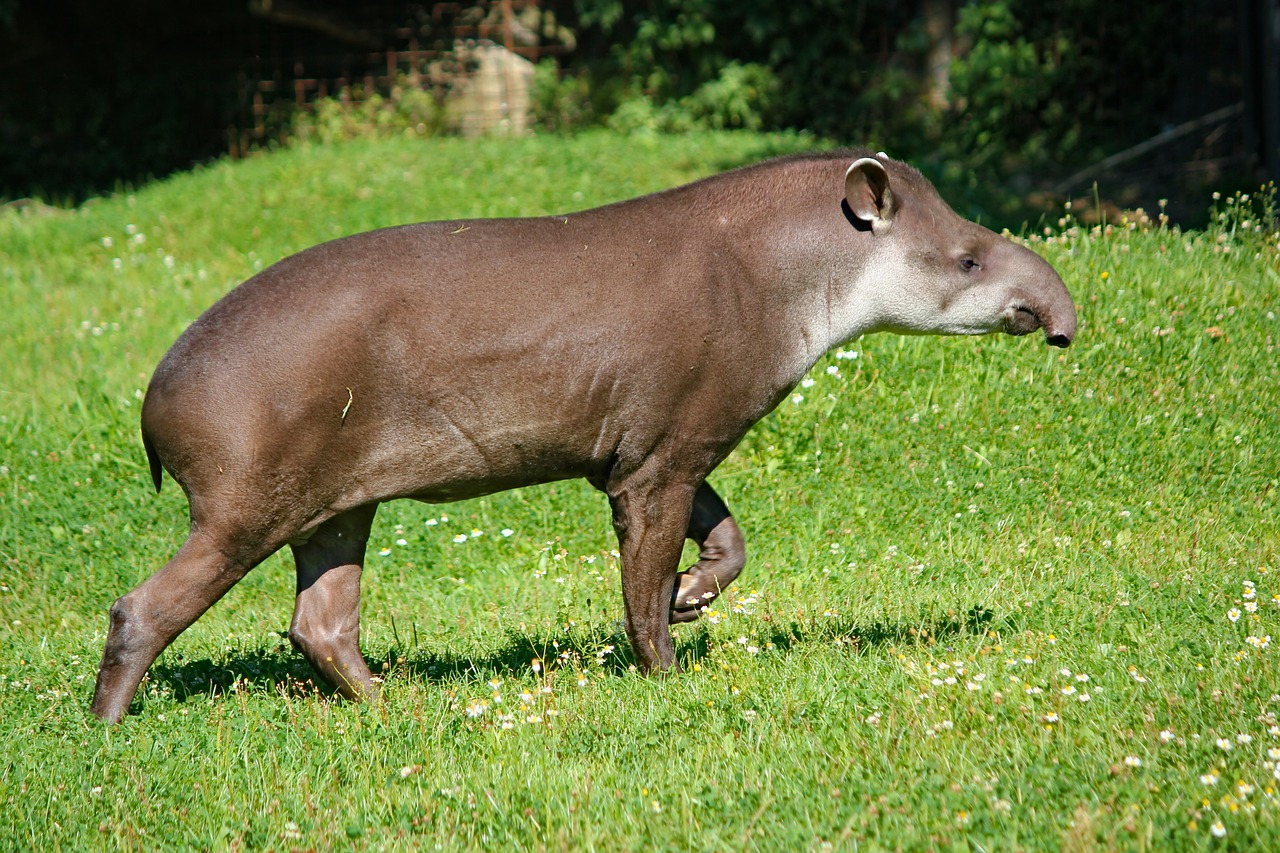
(153, 460)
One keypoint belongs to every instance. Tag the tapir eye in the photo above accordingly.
(969, 264)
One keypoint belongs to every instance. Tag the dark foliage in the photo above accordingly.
(100, 94)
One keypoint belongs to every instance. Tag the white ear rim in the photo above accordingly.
(882, 218)
(866, 162)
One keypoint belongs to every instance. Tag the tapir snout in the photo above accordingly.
(632, 345)
(1042, 303)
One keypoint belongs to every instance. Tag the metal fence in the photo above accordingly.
(478, 56)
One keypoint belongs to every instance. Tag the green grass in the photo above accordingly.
(946, 536)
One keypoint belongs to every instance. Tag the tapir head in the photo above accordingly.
(933, 272)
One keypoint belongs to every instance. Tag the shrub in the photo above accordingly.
(739, 97)
(559, 102)
(356, 113)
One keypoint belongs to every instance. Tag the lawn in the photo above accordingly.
(999, 596)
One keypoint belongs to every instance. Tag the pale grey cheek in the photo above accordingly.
(975, 311)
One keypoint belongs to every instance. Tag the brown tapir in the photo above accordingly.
(633, 345)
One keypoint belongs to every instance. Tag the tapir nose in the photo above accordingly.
(1053, 304)
(1060, 324)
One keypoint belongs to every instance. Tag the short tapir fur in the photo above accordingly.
(632, 345)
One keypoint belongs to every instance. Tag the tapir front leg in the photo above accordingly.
(721, 556)
(651, 521)
(326, 615)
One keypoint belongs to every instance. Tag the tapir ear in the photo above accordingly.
(870, 198)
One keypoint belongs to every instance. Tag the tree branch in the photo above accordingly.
(295, 14)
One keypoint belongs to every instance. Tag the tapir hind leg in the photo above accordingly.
(147, 619)
(721, 556)
(326, 616)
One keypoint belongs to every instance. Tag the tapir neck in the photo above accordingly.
(798, 277)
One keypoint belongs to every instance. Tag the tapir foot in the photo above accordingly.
(722, 556)
(695, 590)
(698, 587)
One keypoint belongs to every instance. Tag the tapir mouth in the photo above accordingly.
(1024, 320)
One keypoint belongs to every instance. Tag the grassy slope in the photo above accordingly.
(945, 535)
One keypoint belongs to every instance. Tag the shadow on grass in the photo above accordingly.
(976, 620)
(602, 647)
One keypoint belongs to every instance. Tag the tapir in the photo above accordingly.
(632, 345)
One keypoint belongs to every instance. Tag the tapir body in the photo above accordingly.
(632, 345)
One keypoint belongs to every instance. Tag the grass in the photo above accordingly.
(999, 596)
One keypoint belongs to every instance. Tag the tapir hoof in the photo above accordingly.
(695, 590)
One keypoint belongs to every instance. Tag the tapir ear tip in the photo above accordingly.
(863, 163)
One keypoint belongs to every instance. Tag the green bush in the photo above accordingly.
(559, 102)
(1037, 88)
(709, 63)
(741, 96)
(356, 113)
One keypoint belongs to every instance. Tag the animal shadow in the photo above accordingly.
(602, 648)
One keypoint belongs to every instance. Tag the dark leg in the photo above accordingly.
(146, 620)
(651, 522)
(721, 557)
(326, 617)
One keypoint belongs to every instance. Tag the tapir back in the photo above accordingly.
(445, 360)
